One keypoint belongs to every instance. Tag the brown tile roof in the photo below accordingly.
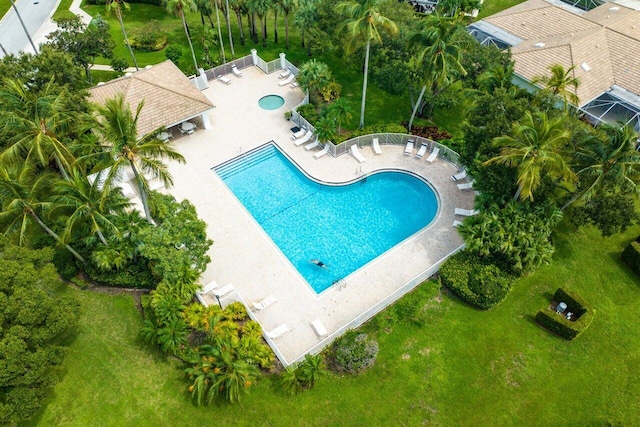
(169, 97)
(606, 39)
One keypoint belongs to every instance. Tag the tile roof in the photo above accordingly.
(169, 97)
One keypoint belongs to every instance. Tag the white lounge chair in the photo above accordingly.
(305, 139)
(224, 290)
(456, 223)
(322, 152)
(466, 212)
(465, 186)
(287, 81)
(295, 84)
(264, 303)
(359, 157)
(286, 73)
(421, 151)
(319, 328)
(311, 146)
(375, 144)
(433, 154)
(459, 176)
(298, 134)
(278, 331)
(225, 80)
(235, 71)
(408, 149)
(210, 287)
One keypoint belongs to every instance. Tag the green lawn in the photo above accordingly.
(5, 5)
(464, 367)
(494, 6)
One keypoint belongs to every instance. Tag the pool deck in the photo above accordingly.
(242, 254)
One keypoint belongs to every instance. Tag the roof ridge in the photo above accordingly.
(165, 88)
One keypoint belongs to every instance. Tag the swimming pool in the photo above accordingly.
(271, 102)
(344, 226)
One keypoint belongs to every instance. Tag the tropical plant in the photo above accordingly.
(287, 7)
(326, 129)
(311, 369)
(561, 83)
(15, 9)
(363, 21)
(222, 53)
(117, 130)
(497, 77)
(239, 6)
(312, 76)
(116, 6)
(304, 19)
(535, 149)
(179, 8)
(227, 20)
(261, 8)
(340, 111)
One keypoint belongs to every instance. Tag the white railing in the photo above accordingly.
(221, 70)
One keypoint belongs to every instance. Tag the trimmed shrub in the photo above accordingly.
(150, 38)
(475, 282)
(631, 256)
(174, 53)
(355, 352)
(557, 323)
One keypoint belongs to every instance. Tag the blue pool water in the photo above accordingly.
(343, 226)
(271, 102)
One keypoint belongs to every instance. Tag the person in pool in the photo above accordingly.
(319, 263)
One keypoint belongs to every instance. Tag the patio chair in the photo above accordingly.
(460, 175)
(225, 80)
(286, 73)
(322, 152)
(305, 139)
(375, 144)
(319, 328)
(275, 333)
(224, 290)
(210, 287)
(287, 81)
(465, 186)
(298, 134)
(313, 145)
(235, 71)
(456, 223)
(433, 155)
(356, 153)
(408, 149)
(295, 84)
(421, 151)
(264, 303)
(466, 212)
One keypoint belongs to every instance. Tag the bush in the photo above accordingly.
(65, 263)
(308, 111)
(119, 64)
(631, 256)
(174, 53)
(582, 311)
(477, 283)
(367, 130)
(391, 76)
(136, 275)
(355, 352)
(150, 38)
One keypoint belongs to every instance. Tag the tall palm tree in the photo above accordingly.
(304, 19)
(239, 7)
(179, 7)
(312, 76)
(22, 192)
(116, 6)
(608, 160)
(261, 8)
(227, 19)
(535, 148)
(363, 21)
(439, 54)
(33, 45)
(224, 58)
(340, 110)
(117, 129)
(33, 123)
(562, 83)
(87, 204)
(287, 6)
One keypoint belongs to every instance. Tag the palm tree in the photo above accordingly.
(227, 19)
(21, 191)
(178, 7)
(561, 83)
(35, 49)
(439, 55)
(87, 204)
(340, 110)
(326, 129)
(116, 5)
(224, 58)
(312, 76)
(261, 8)
(497, 77)
(33, 123)
(534, 148)
(311, 369)
(608, 160)
(305, 18)
(117, 129)
(239, 7)
(287, 6)
(363, 21)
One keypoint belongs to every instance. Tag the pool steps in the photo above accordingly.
(227, 170)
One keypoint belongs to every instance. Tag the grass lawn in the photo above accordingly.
(463, 367)
(5, 5)
(489, 7)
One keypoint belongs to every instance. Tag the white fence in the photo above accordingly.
(221, 70)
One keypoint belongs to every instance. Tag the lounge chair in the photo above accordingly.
(465, 186)
(359, 157)
(224, 290)
(421, 151)
(313, 145)
(466, 212)
(275, 333)
(287, 81)
(375, 144)
(408, 149)
(456, 223)
(433, 155)
(225, 80)
(210, 287)
(305, 139)
(322, 152)
(235, 71)
(264, 303)
(298, 134)
(295, 84)
(460, 175)
(319, 328)
(286, 73)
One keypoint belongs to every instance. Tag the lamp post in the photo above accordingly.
(219, 303)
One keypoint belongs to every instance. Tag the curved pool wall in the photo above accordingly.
(344, 226)
(271, 102)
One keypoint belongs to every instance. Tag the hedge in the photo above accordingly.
(136, 275)
(480, 284)
(631, 256)
(557, 323)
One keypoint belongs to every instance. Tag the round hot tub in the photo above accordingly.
(271, 102)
